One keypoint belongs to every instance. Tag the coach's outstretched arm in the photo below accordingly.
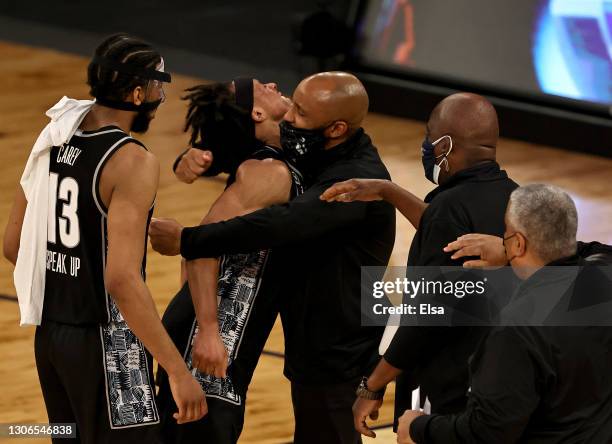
(134, 175)
(305, 217)
(378, 189)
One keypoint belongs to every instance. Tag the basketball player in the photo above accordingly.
(235, 299)
(322, 247)
(93, 368)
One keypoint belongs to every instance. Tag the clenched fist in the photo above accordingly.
(193, 164)
(165, 236)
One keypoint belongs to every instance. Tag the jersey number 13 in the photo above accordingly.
(68, 222)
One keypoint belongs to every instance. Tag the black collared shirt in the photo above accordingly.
(537, 384)
(472, 201)
(435, 358)
(318, 249)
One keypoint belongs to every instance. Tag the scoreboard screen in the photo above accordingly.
(551, 49)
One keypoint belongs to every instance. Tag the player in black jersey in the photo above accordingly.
(322, 247)
(94, 370)
(234, 127)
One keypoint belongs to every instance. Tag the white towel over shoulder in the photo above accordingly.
(29, 276)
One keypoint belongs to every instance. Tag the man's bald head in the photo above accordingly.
(335, 100)
(470, 122)
(339, 96)
(469, 119)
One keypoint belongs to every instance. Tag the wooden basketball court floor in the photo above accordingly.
(33, 79)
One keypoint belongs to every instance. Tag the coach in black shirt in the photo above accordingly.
(321, 248)
(459, 155)
(531, 383)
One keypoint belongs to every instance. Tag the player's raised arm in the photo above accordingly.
(191, 164)
(133, 173)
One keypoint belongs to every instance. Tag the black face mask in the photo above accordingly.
(143, 117)
(302, 146)
(141, 122)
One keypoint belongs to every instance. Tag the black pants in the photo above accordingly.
(404, 385)
(323, 414)
(72, 377)
(224, 421)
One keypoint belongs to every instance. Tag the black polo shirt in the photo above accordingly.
(435, 358)
(538, 384)
(318, 249)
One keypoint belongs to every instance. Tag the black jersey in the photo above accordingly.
(77, 228)
(269, 152)
(240, 279)
(297, 180)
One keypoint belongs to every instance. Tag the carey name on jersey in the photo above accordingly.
(68, 154)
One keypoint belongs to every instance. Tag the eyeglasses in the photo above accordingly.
(510, 237)
(158, 85)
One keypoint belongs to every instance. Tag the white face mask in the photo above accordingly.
(436, 168)
(436, 173)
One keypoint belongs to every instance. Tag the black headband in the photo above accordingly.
(128, 106)
(243, 87)
(131, 68)
(244, 92)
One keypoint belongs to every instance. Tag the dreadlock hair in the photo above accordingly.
(217, 124)
(123, 48)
